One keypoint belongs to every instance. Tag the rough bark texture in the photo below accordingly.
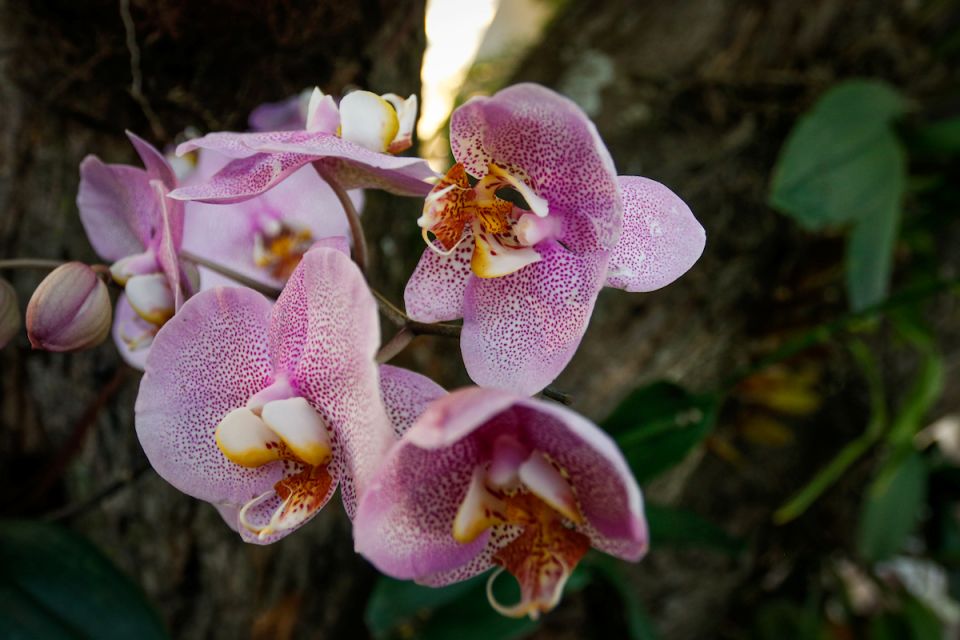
(697, 94)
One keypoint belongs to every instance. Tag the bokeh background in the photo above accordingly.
(790, 406)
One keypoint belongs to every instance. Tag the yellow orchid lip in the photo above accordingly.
(288, 430)
(543, 506)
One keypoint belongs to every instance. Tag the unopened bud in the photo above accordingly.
(9, 313)
(70, 310)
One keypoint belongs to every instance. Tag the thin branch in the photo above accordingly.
(246, 281)
(353, 218)
(136, 78)
(557, 395)
(402, 320)
(395, 345)
(30, 263)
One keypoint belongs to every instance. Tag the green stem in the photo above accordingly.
(353, 218)
(827, 476)
(824, 332)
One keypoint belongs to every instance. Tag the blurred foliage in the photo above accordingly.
(843, 166)
(54, 584)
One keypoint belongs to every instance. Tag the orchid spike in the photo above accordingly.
(486, 478)
(130, 221)
(263, 410)
(525, 279)
(351, 143)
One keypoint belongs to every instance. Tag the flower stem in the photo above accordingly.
(395, 345)
(246, 281)
(353, 218)
(402, 320)
(30, 263)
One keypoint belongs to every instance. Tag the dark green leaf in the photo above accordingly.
(841, 162)
(923, 622)
(672, 527)
(657, 425)
(893, 502)
(58, 585)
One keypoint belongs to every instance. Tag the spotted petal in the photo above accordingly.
(206, 361)
(405, 519)
(535, 133)
(661, 239)
(324, 334)
(406, 395)
(521, 330)
(434, 292)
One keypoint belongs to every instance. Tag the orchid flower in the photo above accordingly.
(130, 221)
(264, 409)
(350, 144)
(525, 280)
(484, 478)
(262, 238)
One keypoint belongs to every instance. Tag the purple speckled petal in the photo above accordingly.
(521, 330)
(661, 239)
(538, 134)
(327, 302)
(156, 165)
(118, 208)
(435, 291)
(406, 394)
(205, 361)
(264, 159)
(243, 178)
(404, 523)
(130, 329)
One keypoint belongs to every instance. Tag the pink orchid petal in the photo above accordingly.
(434, 292)
(224, 233)
(169, 240)
(661, 239)
(324, 334)
(532, 131)
(205, 361)
(404, 522)
(406, 394)
(243, 178)
(264, 159)
(521, 330)
(118, 208)
(127, 328)
(156, 165)
(284, 115)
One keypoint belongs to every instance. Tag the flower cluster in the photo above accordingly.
(245, 302)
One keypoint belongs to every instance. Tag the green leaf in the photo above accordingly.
(406, 609)
(672, 527)
(839, 161)
(55, 584)
(892, 505)
(657, 425)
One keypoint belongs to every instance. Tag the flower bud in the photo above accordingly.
(70, 310)
(9, 313)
